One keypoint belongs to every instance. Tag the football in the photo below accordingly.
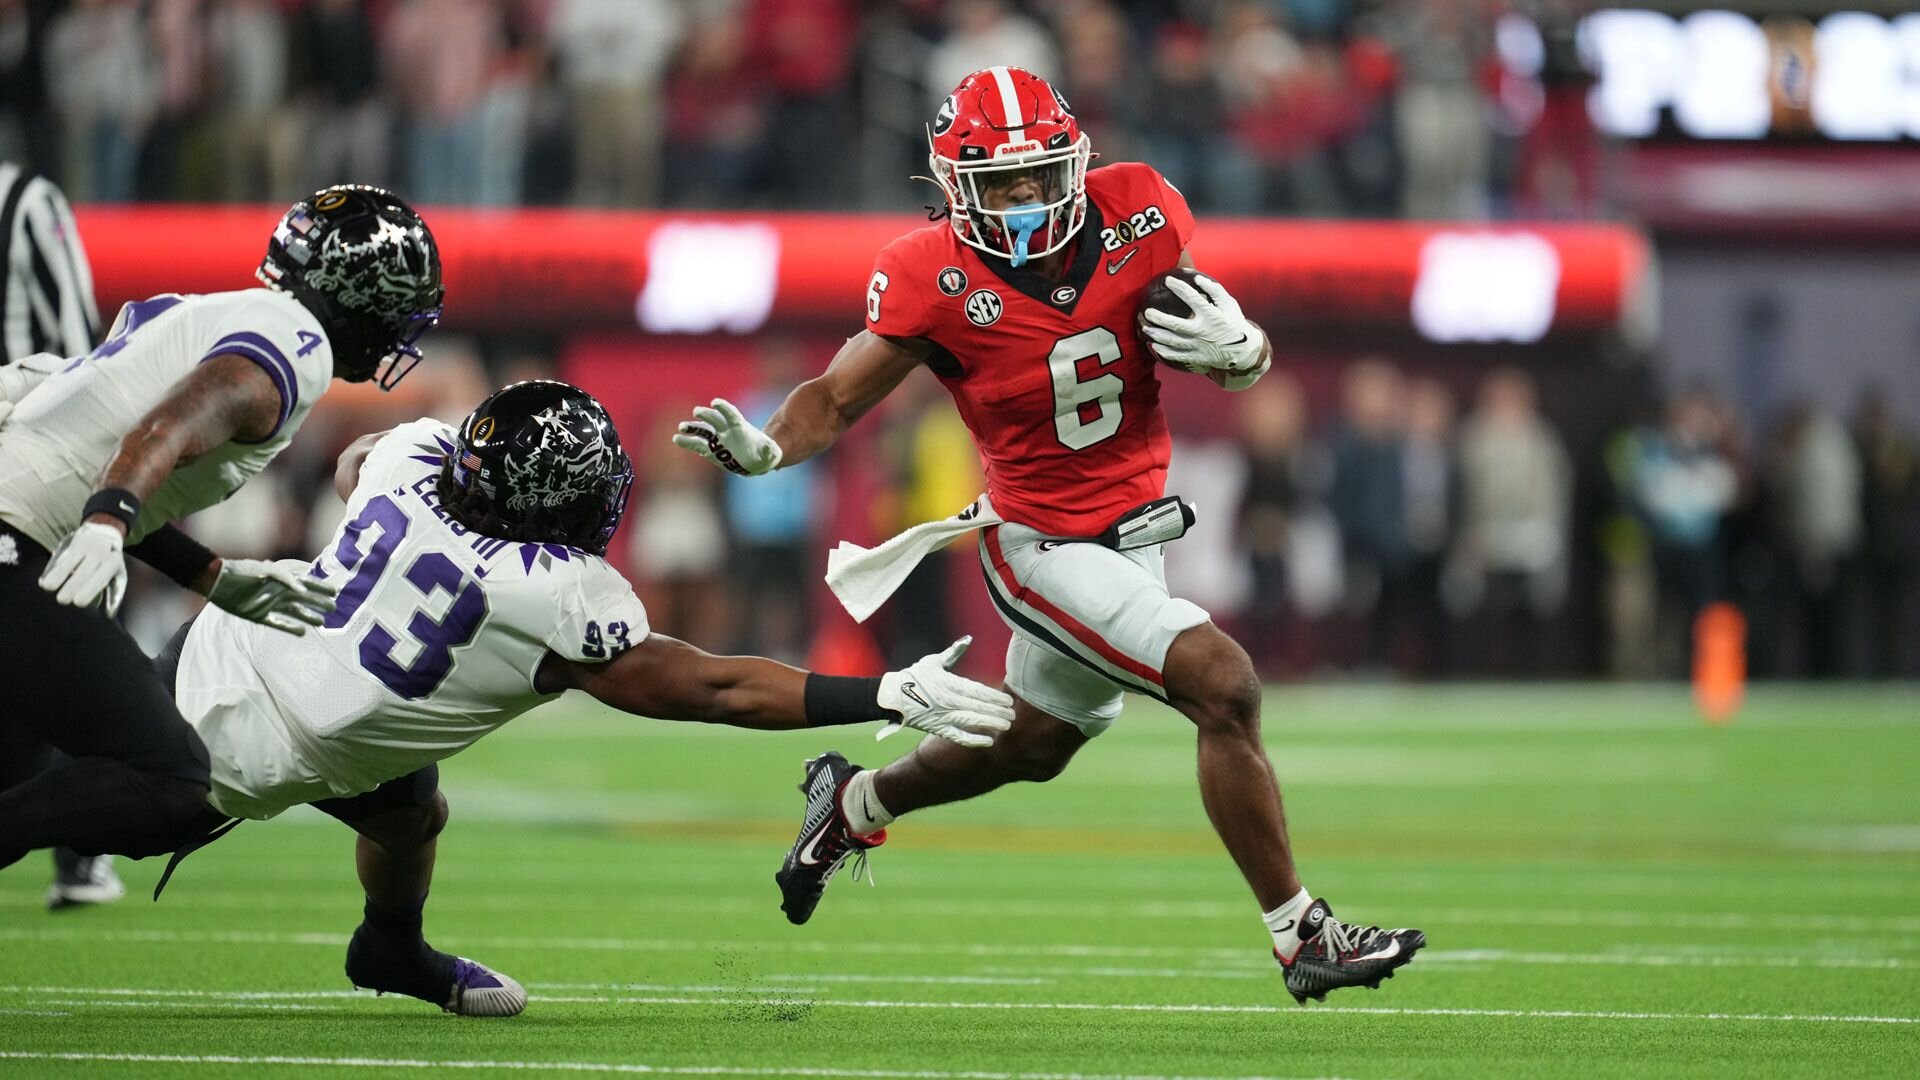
(1161, 298)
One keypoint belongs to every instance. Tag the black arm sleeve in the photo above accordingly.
(174, 554)
(843, 699)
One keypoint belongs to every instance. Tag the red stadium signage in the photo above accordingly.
(563, 270)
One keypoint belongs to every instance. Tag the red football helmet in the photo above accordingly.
(998, 126)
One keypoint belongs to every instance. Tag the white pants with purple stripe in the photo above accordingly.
(1089, 623)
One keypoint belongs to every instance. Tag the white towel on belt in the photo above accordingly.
(863, 578)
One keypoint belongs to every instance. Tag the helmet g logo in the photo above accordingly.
(943, 119)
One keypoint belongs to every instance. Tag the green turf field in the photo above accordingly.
(1610, 889)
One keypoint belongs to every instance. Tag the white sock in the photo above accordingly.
(865, 815)
(1283, 923)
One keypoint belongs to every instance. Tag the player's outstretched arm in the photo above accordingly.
(669, 679)
(864, 371)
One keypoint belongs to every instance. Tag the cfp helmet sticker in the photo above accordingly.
(483, 429)
(332, 200)
(952, 281)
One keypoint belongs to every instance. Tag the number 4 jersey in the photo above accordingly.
(436, 641)
(1060, 393)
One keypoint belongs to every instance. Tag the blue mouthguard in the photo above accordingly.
(1024, 220)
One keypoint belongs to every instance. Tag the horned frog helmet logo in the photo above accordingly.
(570, 462)
(392, 289)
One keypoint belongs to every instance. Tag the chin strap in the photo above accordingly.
(1024, 221)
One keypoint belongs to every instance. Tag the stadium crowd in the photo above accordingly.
(1272, 106)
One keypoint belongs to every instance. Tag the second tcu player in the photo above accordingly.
(472, 588)
(1024, 306)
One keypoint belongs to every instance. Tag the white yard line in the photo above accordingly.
(573, 1066)
(1249, 959)
(678, 996)
(200, 1003)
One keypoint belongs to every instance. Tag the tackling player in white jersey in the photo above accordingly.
(188, 397)
(472, 588)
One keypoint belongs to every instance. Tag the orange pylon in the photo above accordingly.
(1719, 662)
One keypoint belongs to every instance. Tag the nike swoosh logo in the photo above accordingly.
(806, 853)
(1392, 950)
(1285, 926)
(912, 690)
(1114, 267)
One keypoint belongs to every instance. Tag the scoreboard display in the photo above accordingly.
(1842, 77)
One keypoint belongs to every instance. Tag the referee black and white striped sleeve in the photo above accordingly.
(46, 293)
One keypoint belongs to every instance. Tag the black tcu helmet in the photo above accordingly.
(540, 461)
(366, 265)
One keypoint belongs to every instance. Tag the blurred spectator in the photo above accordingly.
(1683, 485)
(1183, 118)
(716, 119)
(1890, 536)
(772, 527)
(679, 542)
(1276, 519)
(802, 51)
(343, 120)
(442, 56)
(981, 34)
(613, 56)
(1509, 568)
(1099, 76)
(1430, 483)
(1559, 163)
(26, 129)
(1815, 474)
(1444, 138)
(101, 89)
(248, 47)
(1368, 497)
(181, 157)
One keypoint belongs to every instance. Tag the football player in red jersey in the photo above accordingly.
(1024, 305)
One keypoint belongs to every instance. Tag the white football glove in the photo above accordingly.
(929, 697)
(1217, 337)
(721, 435)
(266, 592)
(88, 568)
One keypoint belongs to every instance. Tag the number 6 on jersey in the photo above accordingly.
(1085, 411)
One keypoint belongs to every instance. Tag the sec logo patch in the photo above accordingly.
(952, 281)
(983, 307)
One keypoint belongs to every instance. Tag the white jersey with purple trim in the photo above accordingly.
(63, 432)
(436, 642)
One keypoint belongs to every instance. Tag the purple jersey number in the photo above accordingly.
(430, 573)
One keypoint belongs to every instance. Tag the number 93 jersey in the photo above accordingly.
(436, 641)
(1051, 377)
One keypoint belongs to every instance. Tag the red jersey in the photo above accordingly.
(1061, 395)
